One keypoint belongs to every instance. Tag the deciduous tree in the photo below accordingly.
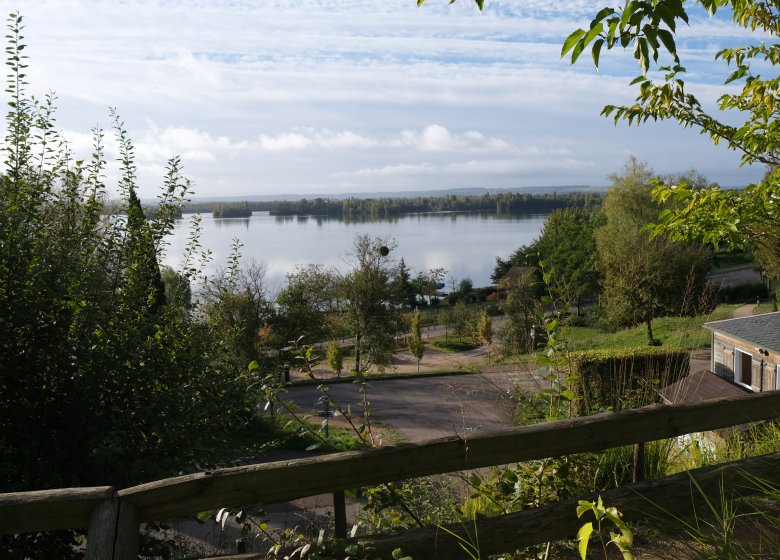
(525, 255)
(414, 341)
(485, 328)
(644, 276)
(745, 219)
(306, 304)
(521, 285)
(567, 249)
(368, 303)
(335, 357)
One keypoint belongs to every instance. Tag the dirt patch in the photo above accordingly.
(403, 362)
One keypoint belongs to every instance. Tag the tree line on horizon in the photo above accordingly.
(386, 207)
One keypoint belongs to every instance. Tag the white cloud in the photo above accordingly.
(326, 93)
(431, 138)
(307, 137)
(436, 138)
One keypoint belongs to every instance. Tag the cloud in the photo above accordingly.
(535, 160)
(308, 137)
(317, 93)
(431, 138)
(436, 138)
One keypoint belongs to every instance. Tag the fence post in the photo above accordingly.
(638, 474)
(340, 514)
(113, 531)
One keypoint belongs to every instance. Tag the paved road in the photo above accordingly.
(430, 407)
(735, 276)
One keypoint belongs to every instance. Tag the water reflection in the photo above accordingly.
(231, 222)
(465, 243)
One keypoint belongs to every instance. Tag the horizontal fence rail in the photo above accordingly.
(664, 498)
(44, 510)
(287, 480)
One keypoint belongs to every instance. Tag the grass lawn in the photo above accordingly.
(452, 344)
(682, 332)
(764, 307)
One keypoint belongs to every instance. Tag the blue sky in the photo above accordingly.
(333, 96)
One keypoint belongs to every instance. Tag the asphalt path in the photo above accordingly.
(427, 407)
(734, 276)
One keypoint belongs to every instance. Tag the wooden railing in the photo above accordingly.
(112, 517)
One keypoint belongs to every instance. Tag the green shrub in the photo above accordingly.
(619, 379)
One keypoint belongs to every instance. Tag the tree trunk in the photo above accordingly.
(649, 324)
(357, 354)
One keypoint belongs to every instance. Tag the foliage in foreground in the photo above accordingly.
(92, 342)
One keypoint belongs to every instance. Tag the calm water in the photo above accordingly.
(466, 244)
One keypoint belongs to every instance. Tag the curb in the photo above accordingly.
(381, 377)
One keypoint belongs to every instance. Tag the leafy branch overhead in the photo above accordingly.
(480, 3)
(650, 29)
(711, 215)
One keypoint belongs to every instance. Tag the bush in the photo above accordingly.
(746, 293)
(586, 318)
(105, 370)
(619, 379)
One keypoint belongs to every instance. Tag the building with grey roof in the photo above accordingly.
(746, 351)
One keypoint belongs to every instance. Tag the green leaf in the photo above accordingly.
(604, 12)
(645, 58)
(628, 11)
(577, 51)
(592, 33)
(570, 41)
(596, 51)
(583, 507)
(666, 15)
(736, 74)
(668, 40)
(583, 536)
(204, 515)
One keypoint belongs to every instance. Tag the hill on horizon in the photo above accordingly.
(476, 191)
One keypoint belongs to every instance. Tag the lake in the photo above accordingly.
(464, 243)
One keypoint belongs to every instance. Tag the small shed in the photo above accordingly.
(700, 386)
(746, 351)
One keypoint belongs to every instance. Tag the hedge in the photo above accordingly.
(626, 378)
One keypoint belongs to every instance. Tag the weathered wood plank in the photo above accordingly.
(275, 482)
(280, 481)
(43, 510)
(248, 556)
(286, 480)
(340, 515)
(558, 521)
(113, 532)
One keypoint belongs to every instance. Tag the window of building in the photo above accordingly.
(743, 368)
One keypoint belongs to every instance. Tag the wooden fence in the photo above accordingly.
(112, 517)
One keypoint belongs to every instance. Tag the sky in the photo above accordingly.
(353, 96)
